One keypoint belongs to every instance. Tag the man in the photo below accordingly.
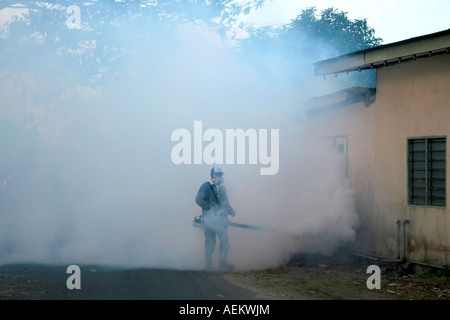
(212, 197)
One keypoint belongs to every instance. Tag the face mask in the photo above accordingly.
(217, 180)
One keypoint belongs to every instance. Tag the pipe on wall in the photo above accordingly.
(404, 223)
(398, 222)
(401, 242)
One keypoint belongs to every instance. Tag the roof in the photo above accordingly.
(388, 54)
(341, 98)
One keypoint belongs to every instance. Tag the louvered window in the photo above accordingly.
(427, 171)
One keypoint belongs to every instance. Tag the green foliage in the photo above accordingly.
(109, 31)
(333, 28)
(314, 36)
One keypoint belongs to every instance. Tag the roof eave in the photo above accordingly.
(341, 98)
(410, 49)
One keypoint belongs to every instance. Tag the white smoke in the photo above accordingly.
(86, 174)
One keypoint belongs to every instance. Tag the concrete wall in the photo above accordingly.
(412, 100)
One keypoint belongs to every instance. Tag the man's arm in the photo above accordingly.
(202, 195)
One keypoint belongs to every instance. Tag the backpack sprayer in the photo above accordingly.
(198, 222)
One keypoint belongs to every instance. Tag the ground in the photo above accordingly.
(344, 277)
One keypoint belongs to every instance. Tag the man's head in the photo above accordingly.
(217, 175)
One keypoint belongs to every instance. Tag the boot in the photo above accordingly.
(225, 266)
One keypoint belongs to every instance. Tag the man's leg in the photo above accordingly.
(210, 244)
(223, 250)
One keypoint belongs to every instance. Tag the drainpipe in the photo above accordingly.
(398, 222)
(405, 222)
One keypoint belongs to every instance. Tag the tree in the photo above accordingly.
(313, 35)
(333, 28)
(108, 30)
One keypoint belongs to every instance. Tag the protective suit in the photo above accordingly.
(212, 197)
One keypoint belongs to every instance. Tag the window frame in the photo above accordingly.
(433, 165)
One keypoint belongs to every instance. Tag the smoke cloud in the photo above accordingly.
(86, 175)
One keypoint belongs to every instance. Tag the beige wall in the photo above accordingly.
(412, 100)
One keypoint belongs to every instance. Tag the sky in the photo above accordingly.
(392, 20)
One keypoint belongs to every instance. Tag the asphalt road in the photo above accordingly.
(41, 282)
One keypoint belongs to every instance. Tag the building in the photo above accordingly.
(394, 134)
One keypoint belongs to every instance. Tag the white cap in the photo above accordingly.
(216, 171)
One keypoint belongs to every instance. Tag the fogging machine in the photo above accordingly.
(198, 222)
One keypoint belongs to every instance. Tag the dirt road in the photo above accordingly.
(341, 277)
(42, 282)
(344, 277)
